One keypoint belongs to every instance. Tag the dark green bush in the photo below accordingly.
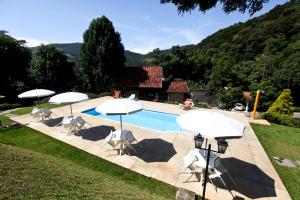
(282, 119)
(228, 97)
(6, 106)
(296, 109)
(202, 105)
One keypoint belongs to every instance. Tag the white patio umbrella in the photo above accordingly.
(37, 93)
(211, 124)
(68, 98)
(119, 107)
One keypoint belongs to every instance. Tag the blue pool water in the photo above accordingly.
(146, 118)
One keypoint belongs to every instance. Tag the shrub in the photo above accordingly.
(202, 105)
(282, 119)
(283, 104)
(296, 109)
(227, 98)
(6, 106)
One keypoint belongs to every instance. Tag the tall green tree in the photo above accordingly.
(14, 61)
(51, 69)
(101, 56)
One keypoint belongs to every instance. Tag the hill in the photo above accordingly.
(73, 50)
(262, 53)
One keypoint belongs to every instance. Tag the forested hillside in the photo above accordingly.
(262, 53)
(73, 50)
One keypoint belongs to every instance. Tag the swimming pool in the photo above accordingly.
(155, 120)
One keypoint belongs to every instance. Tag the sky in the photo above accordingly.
(143, 24)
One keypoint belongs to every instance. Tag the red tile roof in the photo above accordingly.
(178, 86)
(143, 77)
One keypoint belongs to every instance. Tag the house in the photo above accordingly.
(145, 82)
(178, 91)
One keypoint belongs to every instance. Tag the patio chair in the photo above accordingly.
(190, 167)
(36, 113)
(218, 171)
(69, 123)
(46, 113)
(80, 123)
(111, 142)
(130, 139)
(132, 97)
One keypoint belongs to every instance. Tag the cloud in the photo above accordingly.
(193, 36)
(148, 46)
(31, 42)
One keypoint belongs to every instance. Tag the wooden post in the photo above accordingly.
(256, 103)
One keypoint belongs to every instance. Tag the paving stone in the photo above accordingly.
(184, 194)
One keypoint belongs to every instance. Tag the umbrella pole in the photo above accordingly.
(205, 145)
(206, 171)
(71, 110)
(121, 121)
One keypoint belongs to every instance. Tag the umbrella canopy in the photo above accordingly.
(36, 93)
(211, 124)
(119, 107)
(68, 98)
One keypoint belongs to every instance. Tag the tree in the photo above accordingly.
(228, 5)
(283, 104)
(14, 61)
(51, 69)
(229, 96)
(101, 56)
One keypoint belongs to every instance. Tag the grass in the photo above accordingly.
(5, 120)
(282, 141)
(74, 173)
(27, 110)
(28, 174)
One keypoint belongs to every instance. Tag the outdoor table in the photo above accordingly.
(120, 136)
(201, 156)
(72, 121)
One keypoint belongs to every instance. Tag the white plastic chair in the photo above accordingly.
(190, 167)
(195, 162)
(69, 123)
(130, 139)
(113, 143)
(46, 113)
(218, 171)
(80, 123)
(131, 97)
(36, 113)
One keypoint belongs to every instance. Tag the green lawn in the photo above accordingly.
(45, 166)
(5, 120)
(27, 110)
(282, 141)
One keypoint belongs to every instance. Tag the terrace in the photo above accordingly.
(162, 152)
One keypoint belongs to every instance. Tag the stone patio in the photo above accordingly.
(162, 152)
